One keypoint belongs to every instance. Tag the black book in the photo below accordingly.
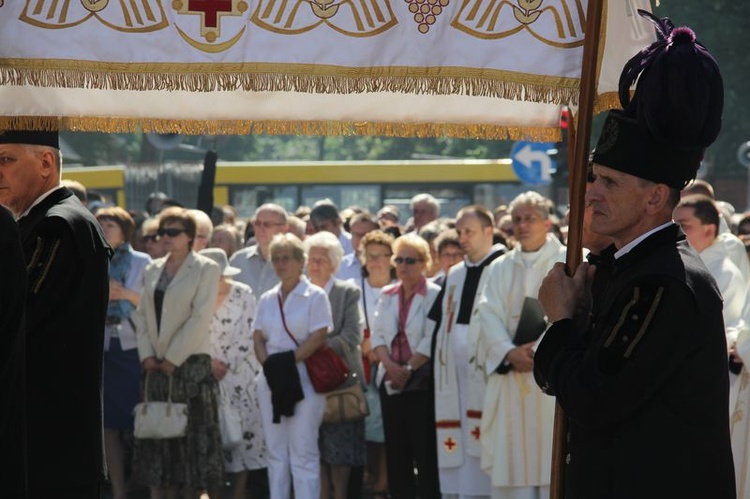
(532, 323)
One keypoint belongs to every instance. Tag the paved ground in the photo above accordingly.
(143, 493)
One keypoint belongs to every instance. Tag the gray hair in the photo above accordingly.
(533, 199)
(427, 199)
(328, 242)
(57, 153)
(274, 208)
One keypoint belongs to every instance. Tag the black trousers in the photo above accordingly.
(410, 442)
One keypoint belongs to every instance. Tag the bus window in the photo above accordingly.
(246, 199)
(365, 196)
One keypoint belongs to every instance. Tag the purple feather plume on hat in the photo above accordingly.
(679, 95)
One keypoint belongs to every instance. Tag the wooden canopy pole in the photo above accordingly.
(579, 136)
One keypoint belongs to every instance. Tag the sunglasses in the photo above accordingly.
(171, 232)
(408, 260)
(152, 238)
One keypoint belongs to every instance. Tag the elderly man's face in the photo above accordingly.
(618, 204)
(24, 175)
(423, 214)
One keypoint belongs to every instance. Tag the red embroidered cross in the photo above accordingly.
(450, 444)
(210, 10)
(475, 433)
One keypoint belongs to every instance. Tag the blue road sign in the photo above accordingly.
(531, 162)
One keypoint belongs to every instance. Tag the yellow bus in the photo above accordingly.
(368, 184)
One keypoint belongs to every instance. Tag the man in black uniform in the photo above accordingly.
(12, 358)
(66, 265)
(641, 368)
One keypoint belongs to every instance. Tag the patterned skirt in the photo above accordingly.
(343, 443)
(195, 460)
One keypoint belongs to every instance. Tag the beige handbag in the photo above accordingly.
(159, 420)
(347, 403)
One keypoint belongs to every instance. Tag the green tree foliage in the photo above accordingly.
(721, 25)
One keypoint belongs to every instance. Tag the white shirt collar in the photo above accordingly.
(493, 249)
(632, 244)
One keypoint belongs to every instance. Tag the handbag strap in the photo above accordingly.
(283, 320)
(364, 304)
(145, 388)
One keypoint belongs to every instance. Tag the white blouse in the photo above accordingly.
(306, 309)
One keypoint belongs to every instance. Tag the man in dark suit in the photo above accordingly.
(66, 265)
(12, 357)
(641, 368)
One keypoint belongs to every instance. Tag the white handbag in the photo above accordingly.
(230, 422)
(159, 420)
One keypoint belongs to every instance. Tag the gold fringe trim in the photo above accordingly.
(605, 102)
(328, 128)
(449, 81)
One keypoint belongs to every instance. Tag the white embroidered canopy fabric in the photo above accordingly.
(484, 68)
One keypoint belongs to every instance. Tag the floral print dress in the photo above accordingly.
(232, 343)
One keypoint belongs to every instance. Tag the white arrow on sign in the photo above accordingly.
(526, 156)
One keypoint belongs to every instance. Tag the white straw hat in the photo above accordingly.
(219, 256)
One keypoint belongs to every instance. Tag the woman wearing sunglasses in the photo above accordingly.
(401, 338)
(172, 324)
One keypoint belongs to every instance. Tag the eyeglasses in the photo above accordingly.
(171, 232)
(150, 238)
(408, 260)
(266, 224)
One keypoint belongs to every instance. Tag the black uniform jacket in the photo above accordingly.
(12, 358)
(67, 263)
(645, 385)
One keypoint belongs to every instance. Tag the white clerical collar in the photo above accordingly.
(635, 242)
(39, 200)
(493, 249)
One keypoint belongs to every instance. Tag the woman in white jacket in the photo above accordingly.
(172, 323)
(401, 338)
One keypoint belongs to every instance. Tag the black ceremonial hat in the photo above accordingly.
(30, 137)
(675, 113)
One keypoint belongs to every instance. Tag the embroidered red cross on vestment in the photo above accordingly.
(450, 445)
(210, 10)
(475, 433)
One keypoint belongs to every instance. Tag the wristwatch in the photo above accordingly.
(408, 367)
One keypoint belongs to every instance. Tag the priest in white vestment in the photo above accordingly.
(460, 381)
(700, 220)
(517, 418)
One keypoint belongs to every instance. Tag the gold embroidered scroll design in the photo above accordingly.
(356, 18)
(129, 16)
(557, 23)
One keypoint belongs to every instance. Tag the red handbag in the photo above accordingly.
(326, 368)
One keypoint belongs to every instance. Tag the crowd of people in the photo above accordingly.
(455, 330)
(425, 311)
